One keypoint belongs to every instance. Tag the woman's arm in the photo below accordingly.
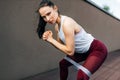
(68, 29)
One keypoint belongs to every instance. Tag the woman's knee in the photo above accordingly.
(64, 63)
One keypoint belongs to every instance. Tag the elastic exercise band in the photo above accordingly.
(78, 66)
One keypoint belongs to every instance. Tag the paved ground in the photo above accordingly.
(110, 70)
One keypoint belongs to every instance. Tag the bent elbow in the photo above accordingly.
(70, 53)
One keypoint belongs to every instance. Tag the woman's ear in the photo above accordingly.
(55, 8)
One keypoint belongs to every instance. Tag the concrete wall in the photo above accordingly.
(23, 54)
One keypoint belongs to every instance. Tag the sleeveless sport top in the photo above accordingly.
(82, 40)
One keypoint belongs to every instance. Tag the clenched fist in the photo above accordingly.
(47, 35)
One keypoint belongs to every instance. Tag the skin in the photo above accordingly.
(70, 28)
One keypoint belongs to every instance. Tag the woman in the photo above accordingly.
(72, 40)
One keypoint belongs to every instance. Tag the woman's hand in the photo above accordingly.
(47, 35)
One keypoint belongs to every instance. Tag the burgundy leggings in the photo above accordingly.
(93, 59)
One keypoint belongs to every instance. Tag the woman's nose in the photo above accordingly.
(47, 18)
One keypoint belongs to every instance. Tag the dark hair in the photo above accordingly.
(42, 23)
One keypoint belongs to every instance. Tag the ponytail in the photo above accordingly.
(41, 27)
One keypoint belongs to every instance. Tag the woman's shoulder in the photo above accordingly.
(66, 17)
(68, 21)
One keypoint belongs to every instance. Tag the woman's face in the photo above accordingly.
(49, 14)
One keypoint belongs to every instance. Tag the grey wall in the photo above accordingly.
(23, 54)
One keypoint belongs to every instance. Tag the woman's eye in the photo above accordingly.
(48, 13)
(43, 17)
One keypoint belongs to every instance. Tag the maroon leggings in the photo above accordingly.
(93, 59)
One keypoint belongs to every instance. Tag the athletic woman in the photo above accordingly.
(72, 40)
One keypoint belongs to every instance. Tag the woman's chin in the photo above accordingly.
(52, 22)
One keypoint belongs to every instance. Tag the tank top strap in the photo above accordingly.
(60, 33)
(62, 19)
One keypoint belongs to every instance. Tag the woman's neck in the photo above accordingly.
(58, 21)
